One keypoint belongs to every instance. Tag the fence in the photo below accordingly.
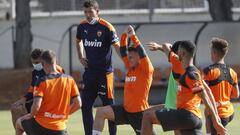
(198, 32)
(46, 8)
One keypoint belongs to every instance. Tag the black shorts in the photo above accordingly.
(224, 122)
(31, 127)
(179, 119)
(124, 117)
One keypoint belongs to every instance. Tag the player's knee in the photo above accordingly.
(18, 123)
(13, 106)
(147, 115)
(101, 112)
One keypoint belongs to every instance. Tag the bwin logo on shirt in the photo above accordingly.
(92, 43)
(131, 79)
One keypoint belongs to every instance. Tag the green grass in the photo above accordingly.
(75, 126)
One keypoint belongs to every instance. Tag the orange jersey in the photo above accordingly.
(177, 68)
(56, 91)
(222, 89)
(190, 83)
(138, 81)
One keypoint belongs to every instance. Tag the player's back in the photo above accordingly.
(222, 80)
(56, 90)
(221, 88)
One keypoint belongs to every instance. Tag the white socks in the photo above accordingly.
(95, 132)
(208, 133)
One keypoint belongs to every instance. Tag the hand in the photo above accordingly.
(130, 30)
(26, 117)
(153, 46)
(220, 129)
(167, 47)
(83, 61)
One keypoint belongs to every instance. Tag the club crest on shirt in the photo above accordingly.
(99, 33)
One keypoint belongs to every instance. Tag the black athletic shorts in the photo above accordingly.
(224, 122)
(31, 127)
(179, 119)
(124, 117)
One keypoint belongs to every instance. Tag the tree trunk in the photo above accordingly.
(221, 10)
(23, 47)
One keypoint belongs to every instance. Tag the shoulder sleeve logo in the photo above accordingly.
(99, 33)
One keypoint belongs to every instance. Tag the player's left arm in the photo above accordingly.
(38, 94)
(211, 97)
(216, 123)
(235, 92)
(76, 100)
(197, 87)
(115, 40)
(117, 48)
(144, 59)
(206, 78)
(37, 101)
(235, 88)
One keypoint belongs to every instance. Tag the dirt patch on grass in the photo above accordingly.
(13, 85)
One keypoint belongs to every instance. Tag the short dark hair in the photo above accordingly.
(175, 46)
(188, 46)
(48, 56)
(220, 45)
(91, 3)
(36, 53)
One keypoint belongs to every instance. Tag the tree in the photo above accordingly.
(23, 47)
(221, 10)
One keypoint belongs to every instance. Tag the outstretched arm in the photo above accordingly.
(153, 46)
(165, 47)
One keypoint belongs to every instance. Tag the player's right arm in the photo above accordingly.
(80, 47)
(123, 49)
(153, 46)
(166, 47)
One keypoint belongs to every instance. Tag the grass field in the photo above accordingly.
(75, 126)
